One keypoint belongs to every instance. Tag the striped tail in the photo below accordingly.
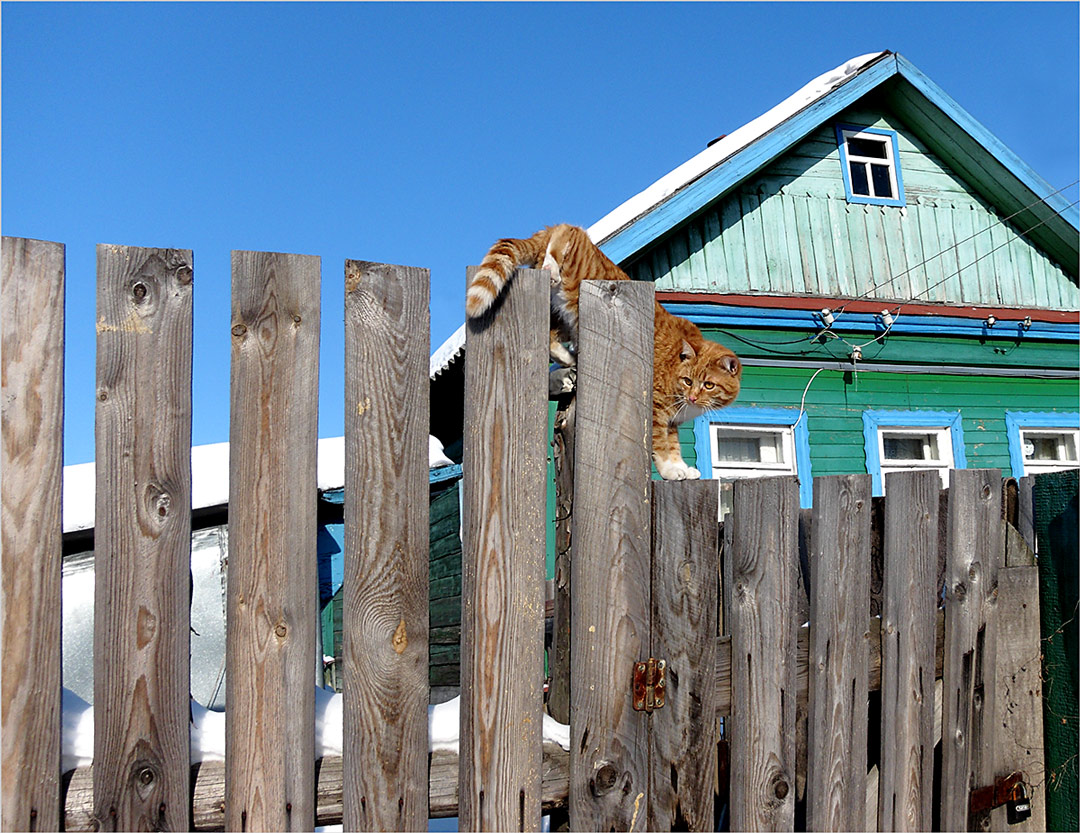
(497, 267)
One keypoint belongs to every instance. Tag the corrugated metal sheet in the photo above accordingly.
(790, 230)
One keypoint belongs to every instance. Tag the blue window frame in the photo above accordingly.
(877, 425)
(1018, 423)
(779, 417)
(870, 163)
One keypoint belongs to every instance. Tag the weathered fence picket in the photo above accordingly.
(682, 737)
(272, 607)
(761, 574)
(838, 667)
(609, 768)
(142, 532)
(32, 310)
(504, 546)
(385, 620)
(907, 651)
(644, 585)
(974, 548)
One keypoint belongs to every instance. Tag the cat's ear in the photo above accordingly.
(730, 363)
(686, 352)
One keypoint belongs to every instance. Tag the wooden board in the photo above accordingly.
(271, 642)
(610, 571)
(973, 551)
(907, 650)
(838, 668)
(762, 573)
(503, 558)
(682, 744)
(32, 310)
(385, 589)
(1019, 709)
(142, 538)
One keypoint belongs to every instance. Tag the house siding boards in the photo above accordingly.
(836, 400)
(790, 230)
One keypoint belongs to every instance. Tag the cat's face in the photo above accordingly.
(708, 378)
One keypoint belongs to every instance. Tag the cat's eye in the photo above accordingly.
(709, 385)
(686, 381)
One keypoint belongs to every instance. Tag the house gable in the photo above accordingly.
(791, 230)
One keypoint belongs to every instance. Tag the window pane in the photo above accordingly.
(910, 447)
(872, 148)
(738, 449)
(882, 181)
(859, 183)
(1042, 448)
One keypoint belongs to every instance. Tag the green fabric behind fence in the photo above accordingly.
(1056, 527)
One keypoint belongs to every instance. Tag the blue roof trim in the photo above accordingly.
(1015, 420)
(1013, 163)
(696, 195)
(872, 420)
(444, 473)
(759, 416)
(721, 315)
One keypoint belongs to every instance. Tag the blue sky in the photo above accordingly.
(419, 134)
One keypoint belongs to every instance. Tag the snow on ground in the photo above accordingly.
(208, 729)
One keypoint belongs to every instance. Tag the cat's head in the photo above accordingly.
(708, 377)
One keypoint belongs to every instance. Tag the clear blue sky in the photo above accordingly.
(419, 134)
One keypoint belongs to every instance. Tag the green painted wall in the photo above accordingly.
(836, 400)
(790, 230)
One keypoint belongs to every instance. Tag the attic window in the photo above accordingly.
(870, 161)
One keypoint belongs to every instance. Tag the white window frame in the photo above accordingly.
(888, 140)
(942, 464)
(1021, 424)
(918, 423)
(1059, 464)
(725, 468)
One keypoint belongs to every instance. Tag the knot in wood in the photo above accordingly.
(138, 292)
(605, 779)
(239, 330)
(781, 788)
(280, 630)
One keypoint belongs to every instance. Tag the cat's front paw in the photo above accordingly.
(676, 470)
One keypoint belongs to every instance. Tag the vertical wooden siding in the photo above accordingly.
(790, 230)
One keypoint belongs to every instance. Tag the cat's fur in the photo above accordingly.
(691, 374)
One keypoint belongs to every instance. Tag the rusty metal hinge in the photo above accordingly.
(649, 684)
(1010, 791)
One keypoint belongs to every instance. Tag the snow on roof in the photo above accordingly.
(210, 478)
(691, 170)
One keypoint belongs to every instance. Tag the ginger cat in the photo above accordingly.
(691, 374)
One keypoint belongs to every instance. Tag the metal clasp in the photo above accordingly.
(649, 684)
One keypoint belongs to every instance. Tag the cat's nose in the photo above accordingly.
(693, 398)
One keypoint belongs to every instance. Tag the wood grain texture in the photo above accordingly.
(142, 538)
(973, 547)
(838, 668)
(385, 624)
(682, 741)
(504, 551)
(32, 310)
(762, 571)
(208, 793)
(907, 652)
(272, 605)
(1019, 702)
(610, 571)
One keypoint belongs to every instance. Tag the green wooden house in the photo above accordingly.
(901, 287)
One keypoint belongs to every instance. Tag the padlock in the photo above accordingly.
(1018, 807)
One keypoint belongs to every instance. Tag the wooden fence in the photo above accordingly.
(829, 726)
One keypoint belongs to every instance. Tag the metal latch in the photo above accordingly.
(1010, 791)
(649, 684)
